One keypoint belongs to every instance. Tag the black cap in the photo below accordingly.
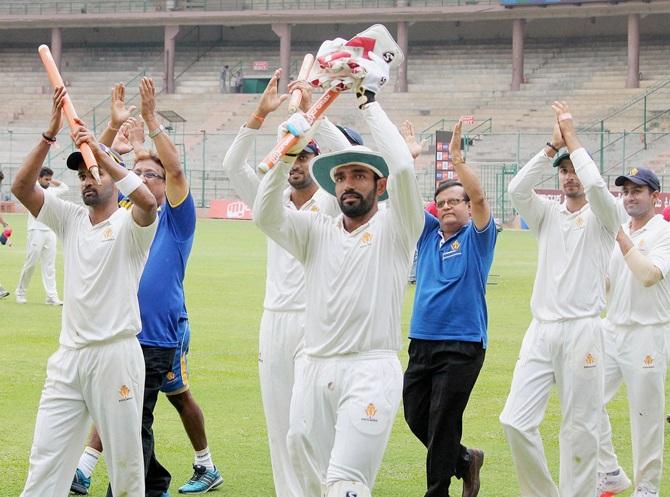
(75, 159)
(561, 158)
(640, 176)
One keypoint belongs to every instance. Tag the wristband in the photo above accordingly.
(552, 147)
(257, 117)
(564, 116)
(153, 134)
(50, 139)
(109, 125)
(128, 184)
(47, 142)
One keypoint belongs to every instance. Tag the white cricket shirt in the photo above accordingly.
(102, 266)
(285, 280)
(34, 224)
(354, 281)
(629, 302)
(574, 248)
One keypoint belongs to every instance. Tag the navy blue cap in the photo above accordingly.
(75, 159)
(561, 158)
(312, 148)
(352, 135)
(640, 176)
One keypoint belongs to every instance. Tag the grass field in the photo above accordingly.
(225, 283)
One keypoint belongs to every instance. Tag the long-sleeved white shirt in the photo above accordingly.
(574, 248)
(34, 224)
(285, 280)
(629, 302)
(354, 281)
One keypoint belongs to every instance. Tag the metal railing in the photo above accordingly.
(45, 7)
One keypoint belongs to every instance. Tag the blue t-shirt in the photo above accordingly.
(161, 293)
(449, 303)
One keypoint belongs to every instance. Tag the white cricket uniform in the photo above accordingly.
(41, 247)
(348, 391)
(636, 329)
(283, 321)
(98, 369)
(563, 345)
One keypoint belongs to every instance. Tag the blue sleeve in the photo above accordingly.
(430, 224)
(485, 240)
(182, 218)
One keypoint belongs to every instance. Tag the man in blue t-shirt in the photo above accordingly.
(165, 331)
(448, 329)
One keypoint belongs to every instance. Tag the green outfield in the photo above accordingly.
(225, 284)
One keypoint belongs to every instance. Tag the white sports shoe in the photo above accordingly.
(21, 299)
(643, 490)
(53, 301)
(613, 484)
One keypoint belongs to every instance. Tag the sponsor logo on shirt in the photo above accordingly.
(366, 239)
(589, 361)
(370, 412)
(125, 393)
(648, 362)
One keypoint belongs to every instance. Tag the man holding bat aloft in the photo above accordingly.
(98, 370)
(356, 264)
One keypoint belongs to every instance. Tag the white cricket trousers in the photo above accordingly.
(638, 357)
(570, 355)
(105, 381)
(280, 345)
(41, 247)
(342, 413)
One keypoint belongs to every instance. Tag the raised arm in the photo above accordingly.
(603, 204)
(24, 185)
(144, 202)
(404, 197)
(241, 174)
(479, 207)
(650, 268)
(521, 189)
(415, 147)
(290, 229)
(118, 114)
(176, 184)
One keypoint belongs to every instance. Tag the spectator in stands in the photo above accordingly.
(238, 81)
(224, 79)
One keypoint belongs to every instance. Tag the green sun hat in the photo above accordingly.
(323, 166)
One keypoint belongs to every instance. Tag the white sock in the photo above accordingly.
(204, 458)
(88, 460)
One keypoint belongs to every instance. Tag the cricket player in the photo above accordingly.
(165, 331)
(3, 293)
(563, 345)
(98, 370)
(283, 321)
(348, 391)
(448, 334)
(636, 329)
(41, 246)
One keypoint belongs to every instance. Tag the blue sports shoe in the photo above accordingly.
(203, 480)
(80, 484)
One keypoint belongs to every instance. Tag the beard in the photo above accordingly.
(360, 208)
(93, 199)
(301, 182)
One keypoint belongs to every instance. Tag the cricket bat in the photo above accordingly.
(68, 108)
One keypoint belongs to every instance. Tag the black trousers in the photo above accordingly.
(439, 379)
(158, 362)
